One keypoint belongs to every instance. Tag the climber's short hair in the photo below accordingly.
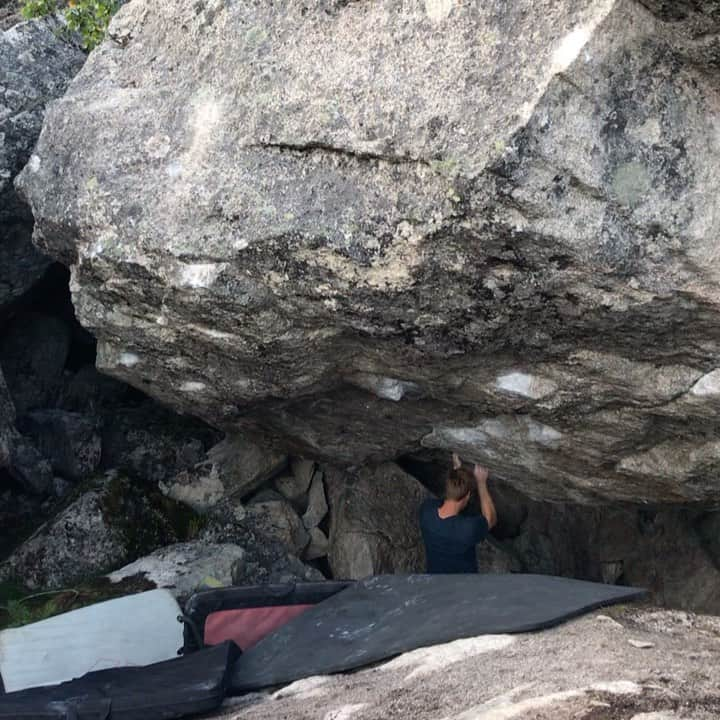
(458, 484)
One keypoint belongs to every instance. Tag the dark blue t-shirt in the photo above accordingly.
(450, 542)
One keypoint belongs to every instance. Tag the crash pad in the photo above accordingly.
(246, 614)
(100, 636)
(384, 616)
(175, 688)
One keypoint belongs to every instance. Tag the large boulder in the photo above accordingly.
(103, 528)
(151, 443)
(374, 526)
(36, 66)
(7, 423)
(19, 458)
(233, 468)
(374, 227)
(33, 354)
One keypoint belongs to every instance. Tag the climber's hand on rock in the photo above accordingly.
(481, 474)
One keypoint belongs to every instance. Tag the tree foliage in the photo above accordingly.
(89, 18)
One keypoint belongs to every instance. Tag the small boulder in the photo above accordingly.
(245, 464)
(29, 467)
(150, 443)
(318, 545)
(374, 522)
(277, 520)
(18, 456)
(199, 488)
(70, 441)
(289, 487)
(317, 507)
(33, 352)
(109, 525)
(185, 567)
(233, 468)
(250, 570)
(303, 471)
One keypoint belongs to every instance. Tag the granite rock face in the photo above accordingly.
(19, 458)
(371, 228)
(634, 664)
(70, 441)
(36, 66)
(184, 567)
(102, 528)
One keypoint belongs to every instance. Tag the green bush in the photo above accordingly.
(90, 18)
(38, 8)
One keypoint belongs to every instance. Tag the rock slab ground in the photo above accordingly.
(629, 664)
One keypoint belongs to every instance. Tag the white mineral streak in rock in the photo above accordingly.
(383, 387)
(610, 622)
(344, 712)
(438, 10)
(174, 169)
(503, 429)
(205, 118)
(707, 385)
(570, 48)
(433, 659)
(541, 434)
(211, 332)
(192, 386)
(503, 707)
(306, 688)
(200, 275)
(128, 359)
(520, 383)
(34, 164)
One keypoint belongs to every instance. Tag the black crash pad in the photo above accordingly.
(386, 615)
(171, 689)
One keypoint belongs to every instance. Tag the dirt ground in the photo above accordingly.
(625, 663)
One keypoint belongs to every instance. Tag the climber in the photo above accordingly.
(449, 535)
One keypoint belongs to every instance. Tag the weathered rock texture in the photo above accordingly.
(640, 664)
(369, 227)
(184, 567)
(103, 528)
(673, 552)
(19, 458)
(9, 13)
(36, 66)
(374, 525)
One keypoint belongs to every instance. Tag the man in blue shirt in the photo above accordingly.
(449, 536)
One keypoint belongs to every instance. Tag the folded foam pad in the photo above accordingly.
(171, 689)
(387, 615)
(97, 637)
(246, 614)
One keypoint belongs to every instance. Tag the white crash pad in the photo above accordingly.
(133, 630)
